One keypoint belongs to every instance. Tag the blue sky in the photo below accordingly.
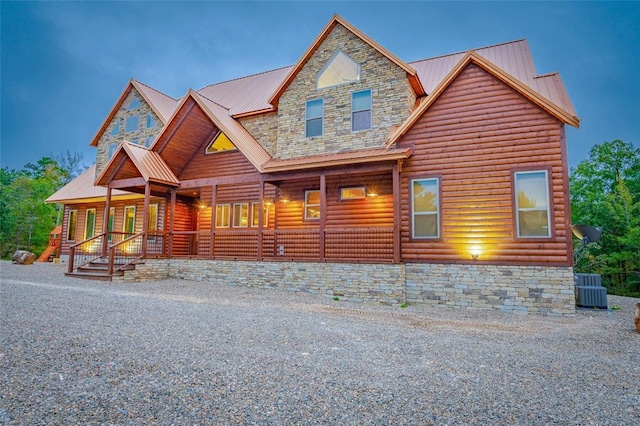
(64, 64)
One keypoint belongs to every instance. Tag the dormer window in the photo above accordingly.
(339, 69)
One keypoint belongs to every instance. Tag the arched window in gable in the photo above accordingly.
(339, 69)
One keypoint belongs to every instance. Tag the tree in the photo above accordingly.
(25, 218)
(605, 192)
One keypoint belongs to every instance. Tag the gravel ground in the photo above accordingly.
(181, 352)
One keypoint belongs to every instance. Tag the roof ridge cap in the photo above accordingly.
(242, 78)
(549, 74)
(462, 52)
(212, 101)
(154, 89)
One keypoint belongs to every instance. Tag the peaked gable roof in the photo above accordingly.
(150, 165)
(472, 57)
(161, 104)
(338, 20)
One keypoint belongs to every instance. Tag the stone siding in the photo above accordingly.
(105, 141)
(518, 289)
(391, 93)
(264, 129)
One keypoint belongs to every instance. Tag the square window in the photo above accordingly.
(425, 206)
(314, 114)
(532, 204)
(132, 124)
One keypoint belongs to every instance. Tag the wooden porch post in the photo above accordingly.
(323, 213)
(105, 222)
(260, 218)
(214, 196)
(171, 220)
(396, 212)
(145, 217)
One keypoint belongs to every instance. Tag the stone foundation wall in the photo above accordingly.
(519, 289)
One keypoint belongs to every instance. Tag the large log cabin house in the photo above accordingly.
(351, 173)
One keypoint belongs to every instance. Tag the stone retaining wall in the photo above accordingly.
(519, 289)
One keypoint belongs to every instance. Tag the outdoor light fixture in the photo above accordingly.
(372, 194)
(475, 252)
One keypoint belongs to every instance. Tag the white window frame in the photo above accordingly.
(307, 205)
(237, 218)
(370, 109)
(222, 218)
(255, 219)
(124, 220)
(307, 118)
(112, 214)
(414, 213)
(86, 222)
(329, 63)
(71, 237)
(518, 209)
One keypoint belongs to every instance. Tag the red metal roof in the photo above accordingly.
(247, 94)
(162, 104)
(82, 189)
(150, 164)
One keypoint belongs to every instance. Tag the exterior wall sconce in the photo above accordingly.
(475, 253)
(371, 193)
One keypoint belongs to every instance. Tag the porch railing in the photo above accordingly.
(85, 252)
(125, 252)
(340, 244)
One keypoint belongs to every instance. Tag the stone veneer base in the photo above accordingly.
(520, 289)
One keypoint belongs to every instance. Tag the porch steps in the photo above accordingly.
(98, 271)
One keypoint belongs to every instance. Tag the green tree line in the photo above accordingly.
(605, 193)
(25, 218)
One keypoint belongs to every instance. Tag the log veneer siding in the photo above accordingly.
(473, 138)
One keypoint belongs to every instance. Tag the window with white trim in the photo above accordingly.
(532, 204)
(255, 215)
(89, 223)
(129, 220)
(312, 204)
(339, 69)
(241, 215)
(425, 207)
(361, 110)
(314, 116)
(72, 222)
(111, 223)
(222, 215)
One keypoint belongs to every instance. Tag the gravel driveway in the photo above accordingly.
(182, 352)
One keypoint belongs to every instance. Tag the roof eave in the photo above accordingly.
(342, 162)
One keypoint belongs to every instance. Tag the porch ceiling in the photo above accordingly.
(186, 133)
